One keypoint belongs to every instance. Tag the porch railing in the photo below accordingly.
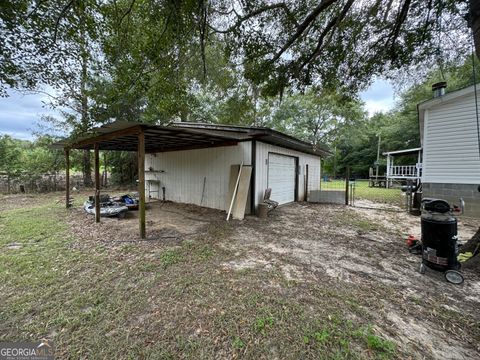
(406, 171)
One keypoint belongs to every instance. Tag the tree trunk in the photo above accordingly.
(105, 168)
(471, 245)
(87, 169)
(475, 24)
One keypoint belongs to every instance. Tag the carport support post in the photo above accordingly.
(141, 181)
(67, 178)
(97, 184)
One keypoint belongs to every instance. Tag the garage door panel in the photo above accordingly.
(281, 177)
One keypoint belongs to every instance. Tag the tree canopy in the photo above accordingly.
(160, 47)
(296, 66)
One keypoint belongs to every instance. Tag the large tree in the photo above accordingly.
(276, 44)
(398, 129)
(54, 43)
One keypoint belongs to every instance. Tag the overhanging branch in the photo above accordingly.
(303, 26)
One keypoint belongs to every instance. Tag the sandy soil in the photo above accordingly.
(359, 248)
(305, 240)
(167, 222)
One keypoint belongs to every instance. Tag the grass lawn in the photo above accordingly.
(158, 300)
(391, 196)
(135, 301)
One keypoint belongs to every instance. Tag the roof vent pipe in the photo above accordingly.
(439, 89)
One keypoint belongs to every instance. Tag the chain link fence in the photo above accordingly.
(363, 194)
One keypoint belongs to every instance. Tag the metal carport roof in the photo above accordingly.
(123, 136)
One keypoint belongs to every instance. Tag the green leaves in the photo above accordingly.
(315, 116)
(27, 161)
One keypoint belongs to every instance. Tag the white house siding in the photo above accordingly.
(450, 146)
(261, 169)
(185, 171)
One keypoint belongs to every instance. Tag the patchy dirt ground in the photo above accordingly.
(166, 222)
(367, 247)
(311, 281)
(363, 246)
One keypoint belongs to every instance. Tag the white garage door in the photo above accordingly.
(281, 178)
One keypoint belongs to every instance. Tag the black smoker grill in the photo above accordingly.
(439, 238)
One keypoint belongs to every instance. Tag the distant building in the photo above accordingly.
(450, 136)
(449, 157)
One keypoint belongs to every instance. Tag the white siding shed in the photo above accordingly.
(306, 163)
(201, 176)
(183, 174)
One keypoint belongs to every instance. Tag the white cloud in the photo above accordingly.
(378, 97)
(20, 113)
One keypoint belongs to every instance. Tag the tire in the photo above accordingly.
(454, 277)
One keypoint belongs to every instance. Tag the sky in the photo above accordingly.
(20, 113)
(378, 97)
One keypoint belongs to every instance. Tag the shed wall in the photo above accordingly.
(261, 170)
(185, 172)
(450, 146)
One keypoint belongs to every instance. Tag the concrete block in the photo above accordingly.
(453, 192)
(327, 196)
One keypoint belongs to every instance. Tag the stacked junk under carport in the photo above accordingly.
(438, 247)
(116, 206)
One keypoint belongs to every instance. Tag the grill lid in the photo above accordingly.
(436, 205)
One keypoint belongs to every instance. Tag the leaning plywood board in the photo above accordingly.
(231, 185)
(242, 193)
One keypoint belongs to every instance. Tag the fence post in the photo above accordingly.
(347, 178)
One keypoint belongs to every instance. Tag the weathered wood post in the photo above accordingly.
(141, 182)
(67, 178)
(97, 184)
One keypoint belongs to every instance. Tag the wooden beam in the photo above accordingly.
(97, 184)
(191, 147)
(141, 182)
(108, 136)
(67, 178)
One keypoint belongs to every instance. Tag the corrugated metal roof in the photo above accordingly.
(403, 152)
(262, 133)
(122, 135)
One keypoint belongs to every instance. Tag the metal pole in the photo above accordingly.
(388, 172)
(335, 163)
(347, 178)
